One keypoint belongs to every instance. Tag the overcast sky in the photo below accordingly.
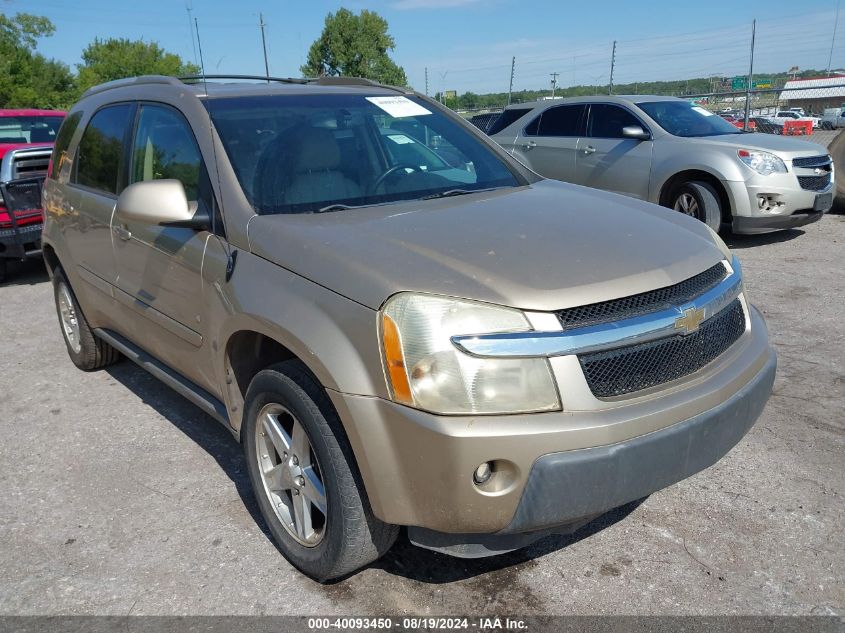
(468, 44)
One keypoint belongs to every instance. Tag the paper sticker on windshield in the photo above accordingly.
(400, 139)
(702, 111)
(398, 107)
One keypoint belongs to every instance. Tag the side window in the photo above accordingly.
(63, 138)
(165, 147)
(607, 121)
(100, 154)
(562, 120)
(506, 118)
(531, 128)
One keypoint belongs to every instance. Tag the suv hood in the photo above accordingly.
(767, 142)
(546, 246)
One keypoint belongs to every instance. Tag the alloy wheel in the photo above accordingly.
(69, 319)
(291, 475)
(687, 204)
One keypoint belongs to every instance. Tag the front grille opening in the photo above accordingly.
(814, 183)
(811, 161)
(628, 369)
(643, 303)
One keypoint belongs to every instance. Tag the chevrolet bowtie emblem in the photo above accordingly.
(690, 321)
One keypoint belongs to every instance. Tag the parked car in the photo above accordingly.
(26, 141)
(485, 359)
(668, 151)
(738, 122)
(782, 116)
(833, 118)
(484, 121)
(767, 125)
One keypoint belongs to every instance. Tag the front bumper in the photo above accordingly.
(562, 467)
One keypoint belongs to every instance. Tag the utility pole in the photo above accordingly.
(554, 83)
(189, 8)
(833, 39)
(612, 64)
(748, 82)
(426, 81)
(510, 87)
(264, 44)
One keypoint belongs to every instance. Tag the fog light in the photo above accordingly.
(482, 473)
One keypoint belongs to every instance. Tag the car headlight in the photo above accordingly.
(763, 163)
(425, 370)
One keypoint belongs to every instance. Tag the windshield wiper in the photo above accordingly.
(337, 207)
(457, 192)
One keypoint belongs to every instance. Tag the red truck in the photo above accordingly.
(26, 143)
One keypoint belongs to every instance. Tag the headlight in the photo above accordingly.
(720, 243)
(763, 163)
(425, 370)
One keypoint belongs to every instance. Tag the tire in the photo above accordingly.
(345, 535)
(699, 200)
(87, 352)
(2, 270)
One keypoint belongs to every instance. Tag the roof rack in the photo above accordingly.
(131, 81)
(284, 80)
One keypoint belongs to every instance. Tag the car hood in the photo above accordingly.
(546, 246)
(768, 142)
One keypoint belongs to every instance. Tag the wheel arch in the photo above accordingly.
(701, 175)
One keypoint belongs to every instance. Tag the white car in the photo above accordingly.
(785, 115)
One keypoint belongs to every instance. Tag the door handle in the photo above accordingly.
(123, 233)
(529, 145)
(589, 149)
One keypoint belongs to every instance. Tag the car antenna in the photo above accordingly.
(230, 256)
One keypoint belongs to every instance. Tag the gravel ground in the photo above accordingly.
(117, 496)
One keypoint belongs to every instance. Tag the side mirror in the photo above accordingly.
(635, 131)
(159, 202)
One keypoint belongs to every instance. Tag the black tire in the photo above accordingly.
(352, 536)
(707, 207)
(2, 269)
(93, 353)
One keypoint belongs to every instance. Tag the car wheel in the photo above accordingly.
(305, 478)
(699, 200)
(87, 351)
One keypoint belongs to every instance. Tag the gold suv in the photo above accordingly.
(401, 324)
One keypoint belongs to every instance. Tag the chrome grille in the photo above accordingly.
(643, 303)
(814, 183)
(811, 161)
(637, 367)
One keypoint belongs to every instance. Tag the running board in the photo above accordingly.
(176, 381)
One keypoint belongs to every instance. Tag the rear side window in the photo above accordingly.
(62, 143)
(101, 149)
(165, 147)
(562, 120)
(506, 118)
(607, 121)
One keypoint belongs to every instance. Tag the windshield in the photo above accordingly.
(310, 153)
(684, 119)
(29, 129)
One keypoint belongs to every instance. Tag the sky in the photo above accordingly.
(467, 45)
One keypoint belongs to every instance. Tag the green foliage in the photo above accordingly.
(28, 79)
(106, 60)
(354, 46)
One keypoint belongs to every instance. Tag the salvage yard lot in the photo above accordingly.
(117, 496)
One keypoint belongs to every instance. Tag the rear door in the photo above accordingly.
(159, 266)
(97, 176)
(607, 160)
(549, 143)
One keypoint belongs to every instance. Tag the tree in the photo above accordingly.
(354, 46)
(106, 60)
(28, 79)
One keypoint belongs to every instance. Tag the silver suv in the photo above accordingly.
(676, 154)
(402, 324)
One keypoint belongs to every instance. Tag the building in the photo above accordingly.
(815, 94)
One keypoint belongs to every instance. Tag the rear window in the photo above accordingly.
(101, 149)
(29, 129)
(506, 118)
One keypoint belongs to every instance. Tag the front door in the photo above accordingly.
(159, 267)
(607, 160)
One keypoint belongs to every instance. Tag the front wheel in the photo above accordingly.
(304, 476)
(698, 200)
